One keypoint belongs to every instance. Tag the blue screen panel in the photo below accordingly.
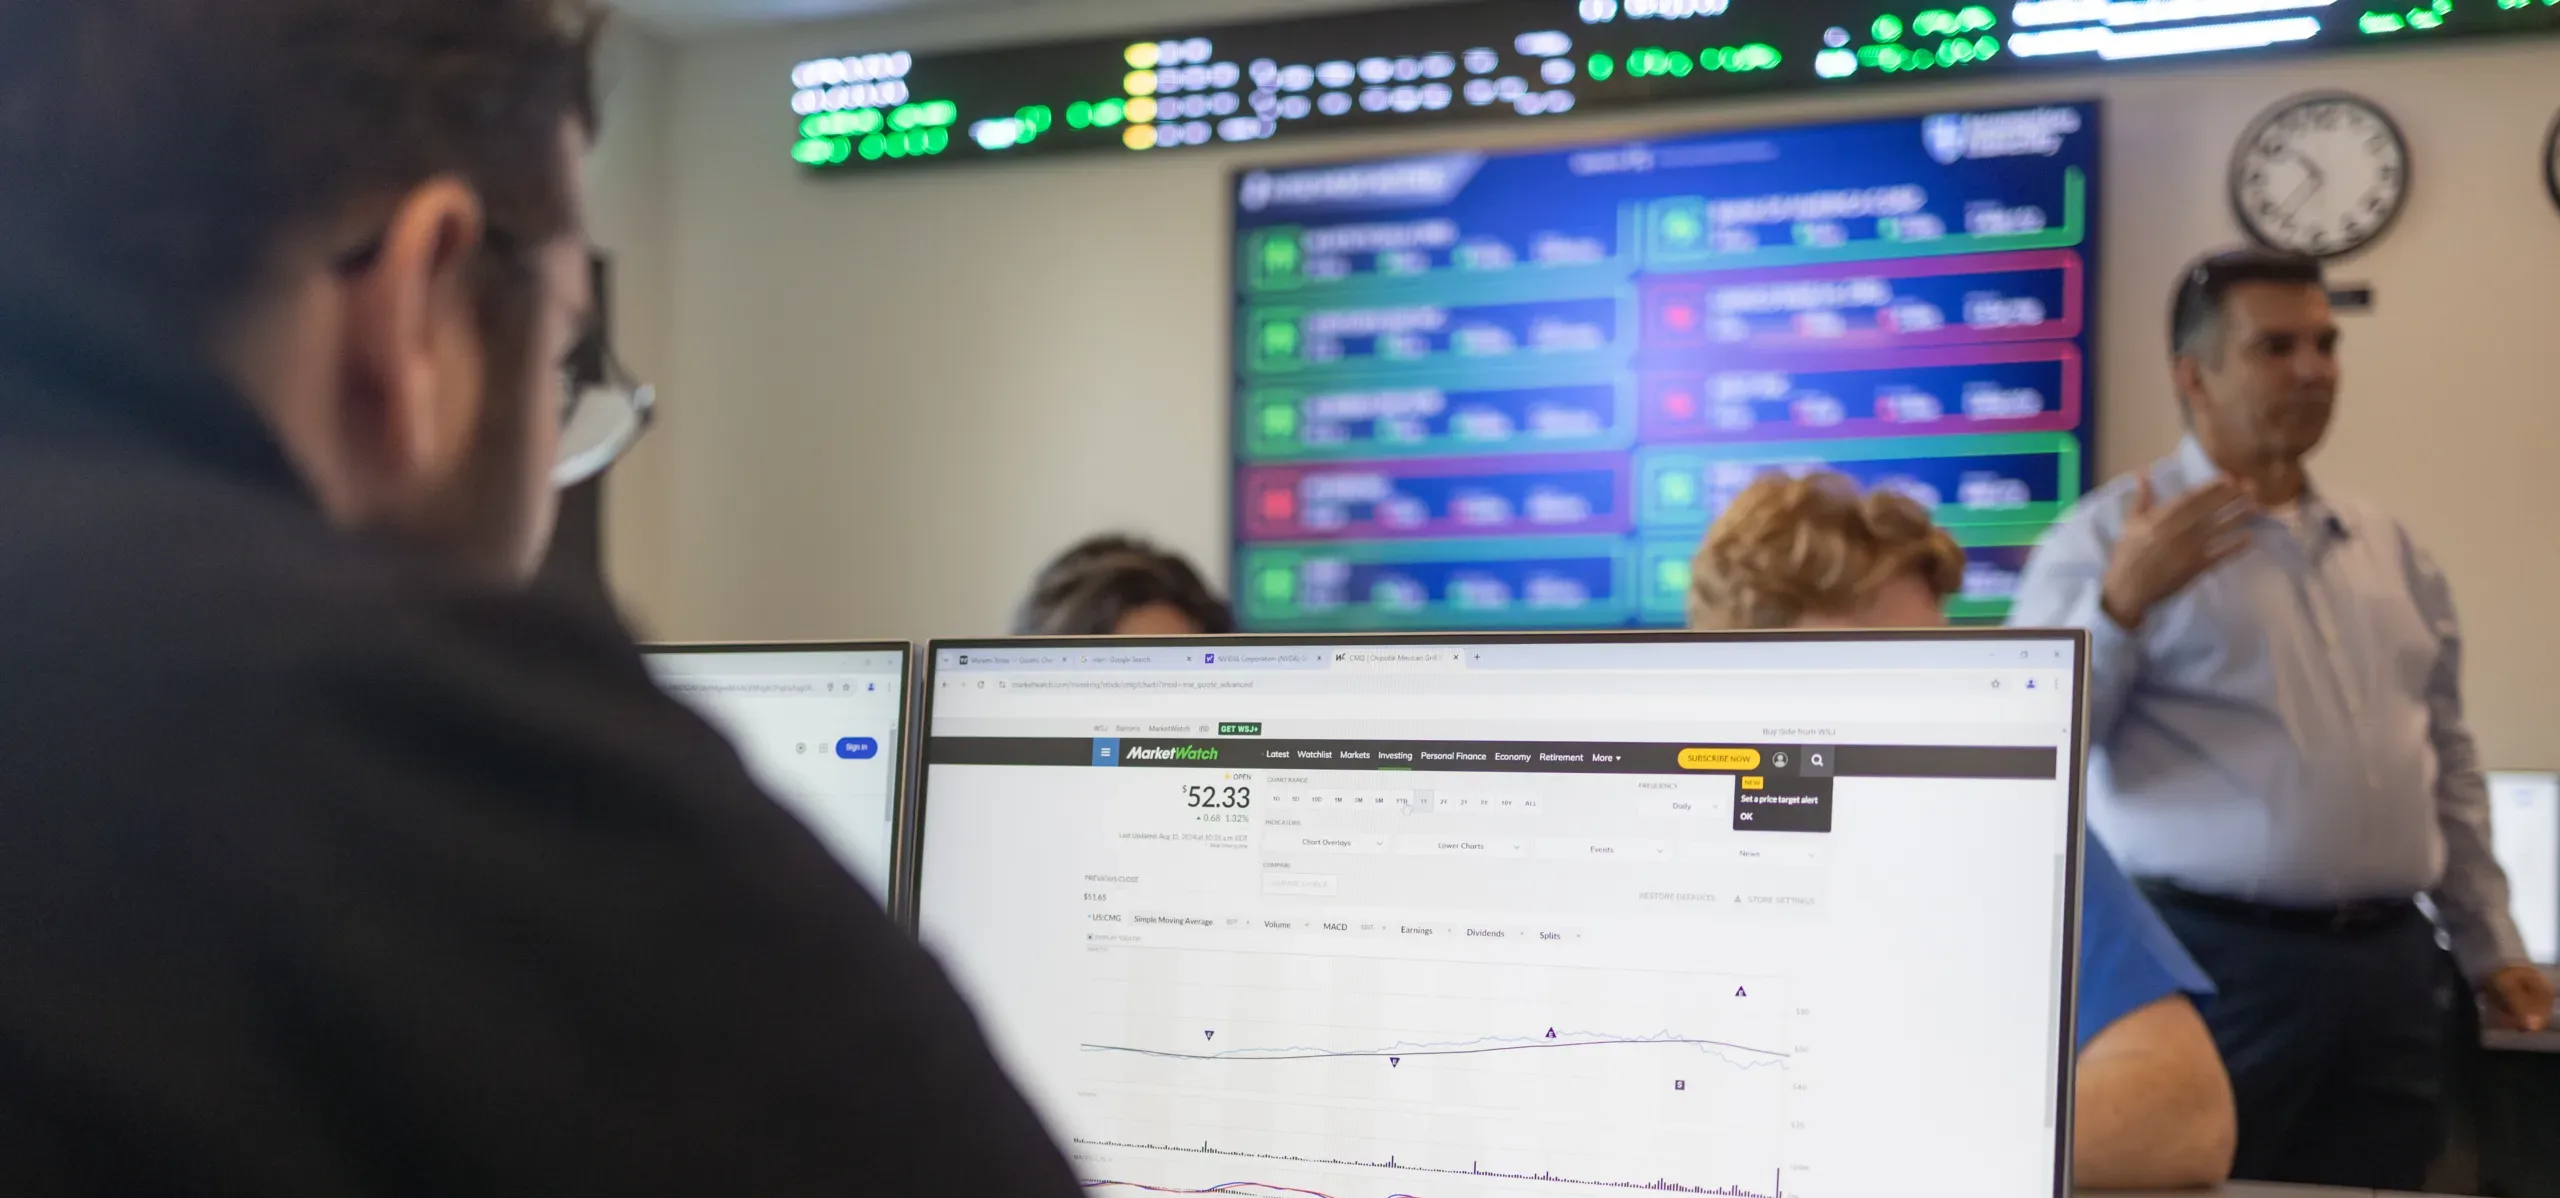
(1508, 391)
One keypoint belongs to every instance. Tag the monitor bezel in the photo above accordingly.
(903, 778)
(910, 845)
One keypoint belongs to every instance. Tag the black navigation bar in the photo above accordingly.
(1981, 762)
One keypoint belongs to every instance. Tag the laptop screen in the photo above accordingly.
(821, 727)
(1759, 915)
(2524, 814)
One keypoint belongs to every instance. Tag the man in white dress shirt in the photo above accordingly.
(2278, 751)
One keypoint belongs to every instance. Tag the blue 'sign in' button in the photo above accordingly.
(857, 748)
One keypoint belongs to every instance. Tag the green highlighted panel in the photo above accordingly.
(1436, 262)
(1680, 235)
(1995, 555)
(1461, 346)
(1662, 569)
(2003, 478)
(1538, 411)
(1507, 582)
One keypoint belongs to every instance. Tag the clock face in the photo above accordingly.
(2322, 175)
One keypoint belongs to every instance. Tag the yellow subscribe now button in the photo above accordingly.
(1719, 759)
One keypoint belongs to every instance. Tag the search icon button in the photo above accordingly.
(1818, 761)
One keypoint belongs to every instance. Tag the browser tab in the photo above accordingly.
(1241, 658)
(1400, 661)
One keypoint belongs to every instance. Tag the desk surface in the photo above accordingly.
(2502, 1040)
(2253, 1189)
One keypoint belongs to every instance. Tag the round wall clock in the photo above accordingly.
(2551, 161)
(2321, 175)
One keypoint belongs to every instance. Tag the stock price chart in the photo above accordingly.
(1157, 91)
(1504, 391)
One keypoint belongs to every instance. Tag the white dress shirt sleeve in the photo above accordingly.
(2063, 587)
(2472, 898)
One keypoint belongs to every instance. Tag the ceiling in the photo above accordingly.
(703, 16)
(686, 18)
(691, 18)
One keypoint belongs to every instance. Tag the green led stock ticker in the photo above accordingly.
(1021, 129)
(1963, 36)
(2424, 17)
(1100, 114)
(916, 130)
(842, 124)
(1653, 61)
(1953, 52)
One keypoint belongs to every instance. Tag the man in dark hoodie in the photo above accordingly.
(333, 860)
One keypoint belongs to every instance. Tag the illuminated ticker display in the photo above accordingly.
(1166, 90)
(1514, 390)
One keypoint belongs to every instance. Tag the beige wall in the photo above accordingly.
(627, 180)
(891, 397)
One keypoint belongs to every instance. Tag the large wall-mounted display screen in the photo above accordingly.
(1506, 391)
(1167, 90)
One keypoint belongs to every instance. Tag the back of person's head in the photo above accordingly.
(363, 215)
(1120, 585)
(174, 147)
(1814, 552)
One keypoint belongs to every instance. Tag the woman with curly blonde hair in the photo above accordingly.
(1813, 552)
(2153, 1105)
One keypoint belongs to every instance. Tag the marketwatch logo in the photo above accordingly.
(1173, 753)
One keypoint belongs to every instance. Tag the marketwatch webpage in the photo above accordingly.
(1545, 917)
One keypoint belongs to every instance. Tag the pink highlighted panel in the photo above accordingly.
(1933, 391)
(1546, 494)
(2032, 295)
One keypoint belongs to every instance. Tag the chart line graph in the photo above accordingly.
(1323, 1076)
(1550, 1040)
(1232, 1187)
(1777, 1184)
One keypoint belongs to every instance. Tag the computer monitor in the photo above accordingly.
(1755, 915)
(1512, 389)
(821, 726)
(2524, 813)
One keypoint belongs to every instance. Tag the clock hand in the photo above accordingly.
(2312, 183)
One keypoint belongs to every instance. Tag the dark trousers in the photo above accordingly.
(2335, 1043)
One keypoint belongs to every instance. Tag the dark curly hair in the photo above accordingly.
(168, 148)
(1090, 588)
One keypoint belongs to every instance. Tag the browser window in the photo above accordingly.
(1547, 916)
(820, 728)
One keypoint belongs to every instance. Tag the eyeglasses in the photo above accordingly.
(601, 422)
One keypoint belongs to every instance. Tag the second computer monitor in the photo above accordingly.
(821, 726)
(1755, 916)
(2525, 817)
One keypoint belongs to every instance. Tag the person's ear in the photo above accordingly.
(2186, 371)
(412, 352)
